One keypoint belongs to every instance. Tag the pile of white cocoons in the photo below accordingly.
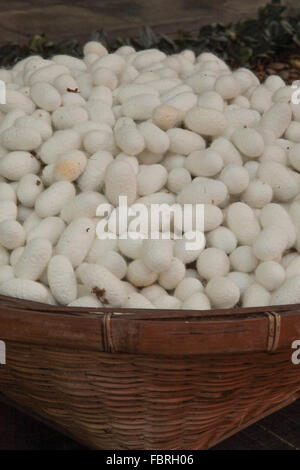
(158, 129)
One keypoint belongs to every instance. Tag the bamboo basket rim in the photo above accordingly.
(151, 331)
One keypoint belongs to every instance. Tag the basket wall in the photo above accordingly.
(129, 401)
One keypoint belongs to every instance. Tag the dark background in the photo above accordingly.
(21, 19)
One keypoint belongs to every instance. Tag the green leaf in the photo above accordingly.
(287, 26)
(37, 43)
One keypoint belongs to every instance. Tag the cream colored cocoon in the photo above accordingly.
(34, 259)
(103, 284)
(25, 289)
(76, 240)
(51, 201)
(80, 136)
(62, 279)
(120, 180)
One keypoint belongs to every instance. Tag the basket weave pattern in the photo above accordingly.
(125, 393)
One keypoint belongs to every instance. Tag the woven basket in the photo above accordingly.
(148, 379)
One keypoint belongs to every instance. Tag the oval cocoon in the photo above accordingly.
(51, 201)
(34, 259)
(120, 180)
(25, 289)
(105, 285)
(205, 121)
(45, 96)
(76, 240)
(62, 279)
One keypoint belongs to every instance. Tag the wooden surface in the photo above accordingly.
(280, 431)
(21, 19)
